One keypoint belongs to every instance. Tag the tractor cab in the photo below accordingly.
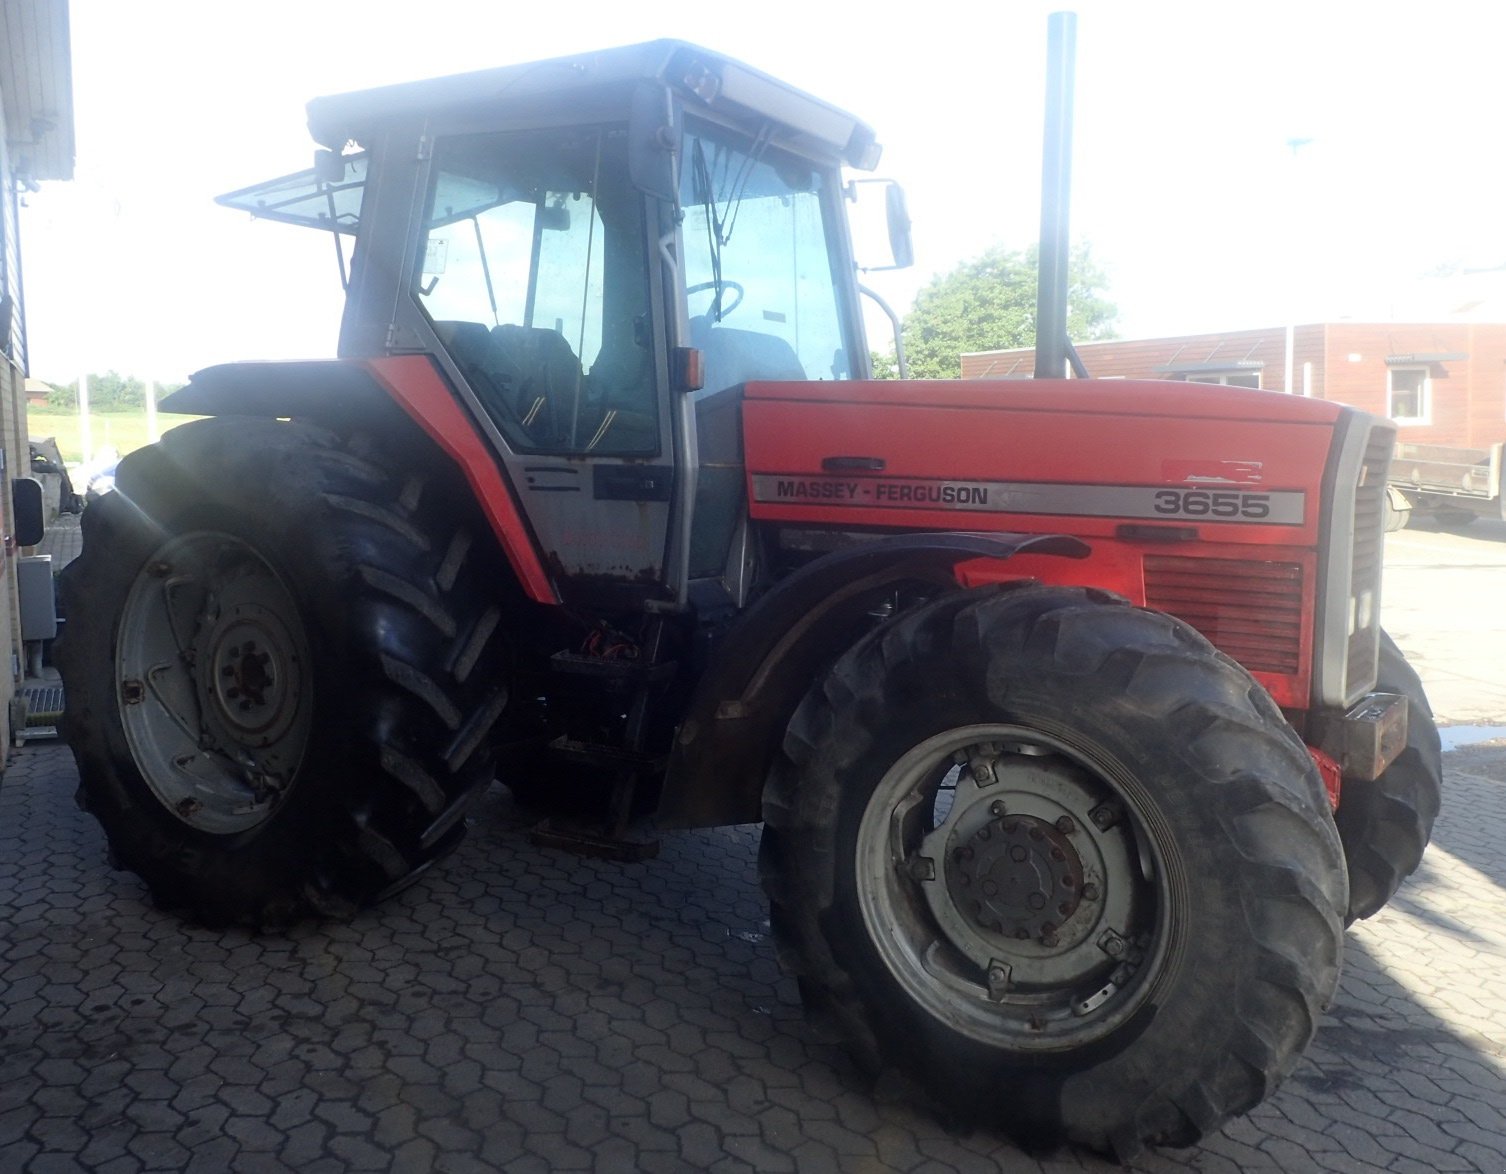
(604, 245)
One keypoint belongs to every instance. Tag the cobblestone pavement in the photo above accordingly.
(520, 1009)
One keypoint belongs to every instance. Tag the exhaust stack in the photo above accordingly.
(1053, 350)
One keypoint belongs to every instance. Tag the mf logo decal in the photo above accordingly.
(1281, 508)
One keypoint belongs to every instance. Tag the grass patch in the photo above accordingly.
(122, 431)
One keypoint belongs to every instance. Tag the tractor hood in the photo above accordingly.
(1080, 456)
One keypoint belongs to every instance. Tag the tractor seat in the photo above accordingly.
(525, 377)
(741, 356)
(541, 374)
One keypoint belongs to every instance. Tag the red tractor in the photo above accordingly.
(1064, 704)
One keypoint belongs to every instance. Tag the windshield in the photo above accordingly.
(534, 272)
(759, 265)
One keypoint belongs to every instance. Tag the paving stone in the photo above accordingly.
(522, 1010)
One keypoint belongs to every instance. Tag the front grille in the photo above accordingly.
(1365, 573)
(1249, 610)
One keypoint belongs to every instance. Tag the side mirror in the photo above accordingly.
(26, 501)
(880, 225)
(553, 218)
(897, 215)
(329, 167)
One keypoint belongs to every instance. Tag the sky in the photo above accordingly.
(1234, 165)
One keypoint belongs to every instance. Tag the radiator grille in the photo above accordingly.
(1369, 520)
(1249, 610)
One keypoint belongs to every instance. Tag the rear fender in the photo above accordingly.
(386, 396)
(765, 664)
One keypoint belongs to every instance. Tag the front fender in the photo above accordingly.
(779, 646)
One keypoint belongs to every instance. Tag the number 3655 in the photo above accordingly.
(1205, 503)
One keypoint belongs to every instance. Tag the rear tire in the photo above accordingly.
(1398, 510)
(1125, 937)
(283, 665)
(1385, 825)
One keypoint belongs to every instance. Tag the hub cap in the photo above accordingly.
(1009, 888)
(213, 665)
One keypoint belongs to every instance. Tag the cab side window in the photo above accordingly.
(534, 273)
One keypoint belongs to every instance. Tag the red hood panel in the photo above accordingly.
(1135, 397)
(1059, 455)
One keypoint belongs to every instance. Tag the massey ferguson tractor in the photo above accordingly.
(1064, 704)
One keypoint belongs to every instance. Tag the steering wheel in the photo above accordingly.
(735, 287)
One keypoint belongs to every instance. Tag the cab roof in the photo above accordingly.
(600, 84)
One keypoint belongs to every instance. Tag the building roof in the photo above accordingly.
(36, 88)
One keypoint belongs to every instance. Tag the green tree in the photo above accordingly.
(883, 364)
(988, 304)
(110, 392)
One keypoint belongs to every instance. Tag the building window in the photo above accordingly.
(1226, 378)
(1409, 395)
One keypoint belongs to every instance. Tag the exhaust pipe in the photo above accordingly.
(1053, 349)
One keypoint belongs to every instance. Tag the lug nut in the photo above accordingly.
(996, 807)
(1065, 825)
(1090, 892)
(1050, 940)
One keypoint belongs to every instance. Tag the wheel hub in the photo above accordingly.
(213, 666)
(1017, 876)
(1006, 889)
(250, 667)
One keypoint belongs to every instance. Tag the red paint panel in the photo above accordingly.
(1332, 774)
(1093, 397)
(1270, 623)
(1027, 440)
(416, 384)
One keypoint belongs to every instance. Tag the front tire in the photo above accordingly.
(1060, 865)
(1386, 824)
(282, 665)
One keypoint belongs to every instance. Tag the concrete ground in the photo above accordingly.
(520, 1009)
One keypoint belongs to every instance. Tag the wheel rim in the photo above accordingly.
(1013, 890)
(212, 661)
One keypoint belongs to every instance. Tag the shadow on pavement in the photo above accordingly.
(1486, 529)
(522, 1009)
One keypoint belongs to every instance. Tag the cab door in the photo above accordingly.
(530, 278)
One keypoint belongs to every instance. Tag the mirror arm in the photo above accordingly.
(899, 341)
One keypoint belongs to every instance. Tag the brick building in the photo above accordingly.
(36, 117)
(1443, 383)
